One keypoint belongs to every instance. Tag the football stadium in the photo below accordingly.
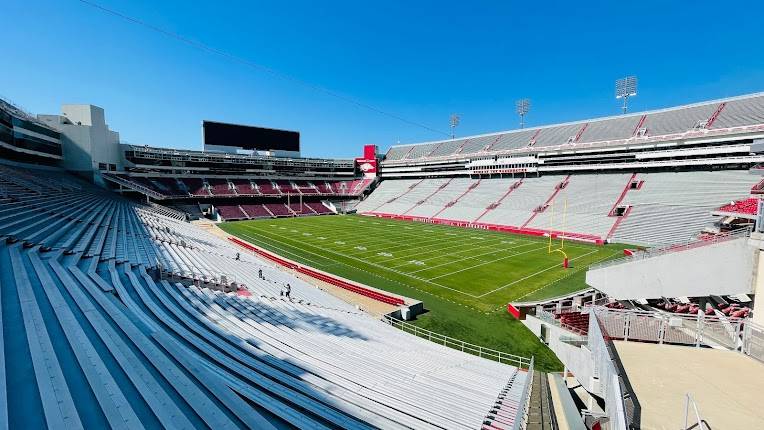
(597, 273)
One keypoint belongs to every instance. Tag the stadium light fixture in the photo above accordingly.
(625, 88)
(522, 107)
(454, 122)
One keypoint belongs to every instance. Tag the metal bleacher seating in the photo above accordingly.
(674, 207)
(737, 111)
(668, 207)
(113, 316)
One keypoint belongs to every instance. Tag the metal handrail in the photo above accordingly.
(700, 423)
(135, 186)
(480, 351)
(521, 420)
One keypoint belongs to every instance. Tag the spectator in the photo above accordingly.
(288, 291)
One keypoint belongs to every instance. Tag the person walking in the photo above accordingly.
(288, 291)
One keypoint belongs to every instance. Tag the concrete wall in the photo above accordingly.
(86, 140)
(721, 268)
(577, 359)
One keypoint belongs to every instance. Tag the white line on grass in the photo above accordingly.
(357, 259)
(487, 262)
(533, 274)
(468, 258)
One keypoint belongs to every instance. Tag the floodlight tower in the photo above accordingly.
(522, 107)
(625, 88)
(454, 122)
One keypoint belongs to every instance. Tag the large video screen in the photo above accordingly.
(248, 137)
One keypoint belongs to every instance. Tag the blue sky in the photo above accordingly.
(420, 60)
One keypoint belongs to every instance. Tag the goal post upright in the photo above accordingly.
(561, 249)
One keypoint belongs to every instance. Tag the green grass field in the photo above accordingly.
(465, 277)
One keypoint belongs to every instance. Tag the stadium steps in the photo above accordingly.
(559, 187)
(456, 200)
(541, 410)
(495, 204)
(398, 196)
(429, 196)
(93, 336)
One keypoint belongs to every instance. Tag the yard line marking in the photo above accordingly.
(564, 277)
(534, 274)
(488, 262)
(258, 231)
(420, 249)
(471, 257)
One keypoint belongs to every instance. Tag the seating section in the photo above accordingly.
(231, 212)
(114, 315)
(667, 208)
(747, 206)
(319, 208)
(736, 112)
(286, 187)
(220, 187)
(270, 210)
(266, 187)
(278, 209)
(169, 186)
(195, 187)
(300, 209)
(244, 187)
(305, 187)
(584, 204)
(577, 322)
(672, 208)
(742, 111)
(256, 211)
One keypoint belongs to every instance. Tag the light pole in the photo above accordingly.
(454, 122)
(625, 88)
(522, 107)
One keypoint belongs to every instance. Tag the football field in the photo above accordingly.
(465, 277)
(477, 268)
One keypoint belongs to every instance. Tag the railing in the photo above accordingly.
(521, 419)
(691, 244)
(135, 186)
(678, 329)
(172, 212)
(700, 423)
(621, 405)
(549, 317)
(490, 354)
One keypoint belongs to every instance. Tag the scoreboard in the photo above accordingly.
(250, 137)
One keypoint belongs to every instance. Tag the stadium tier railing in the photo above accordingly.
(669, 328)
(488, 353)
(550, 317)
(621, 405)
(134, 186)
(735, 334)
(521, 420)
(691, 244)
(700, 423)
